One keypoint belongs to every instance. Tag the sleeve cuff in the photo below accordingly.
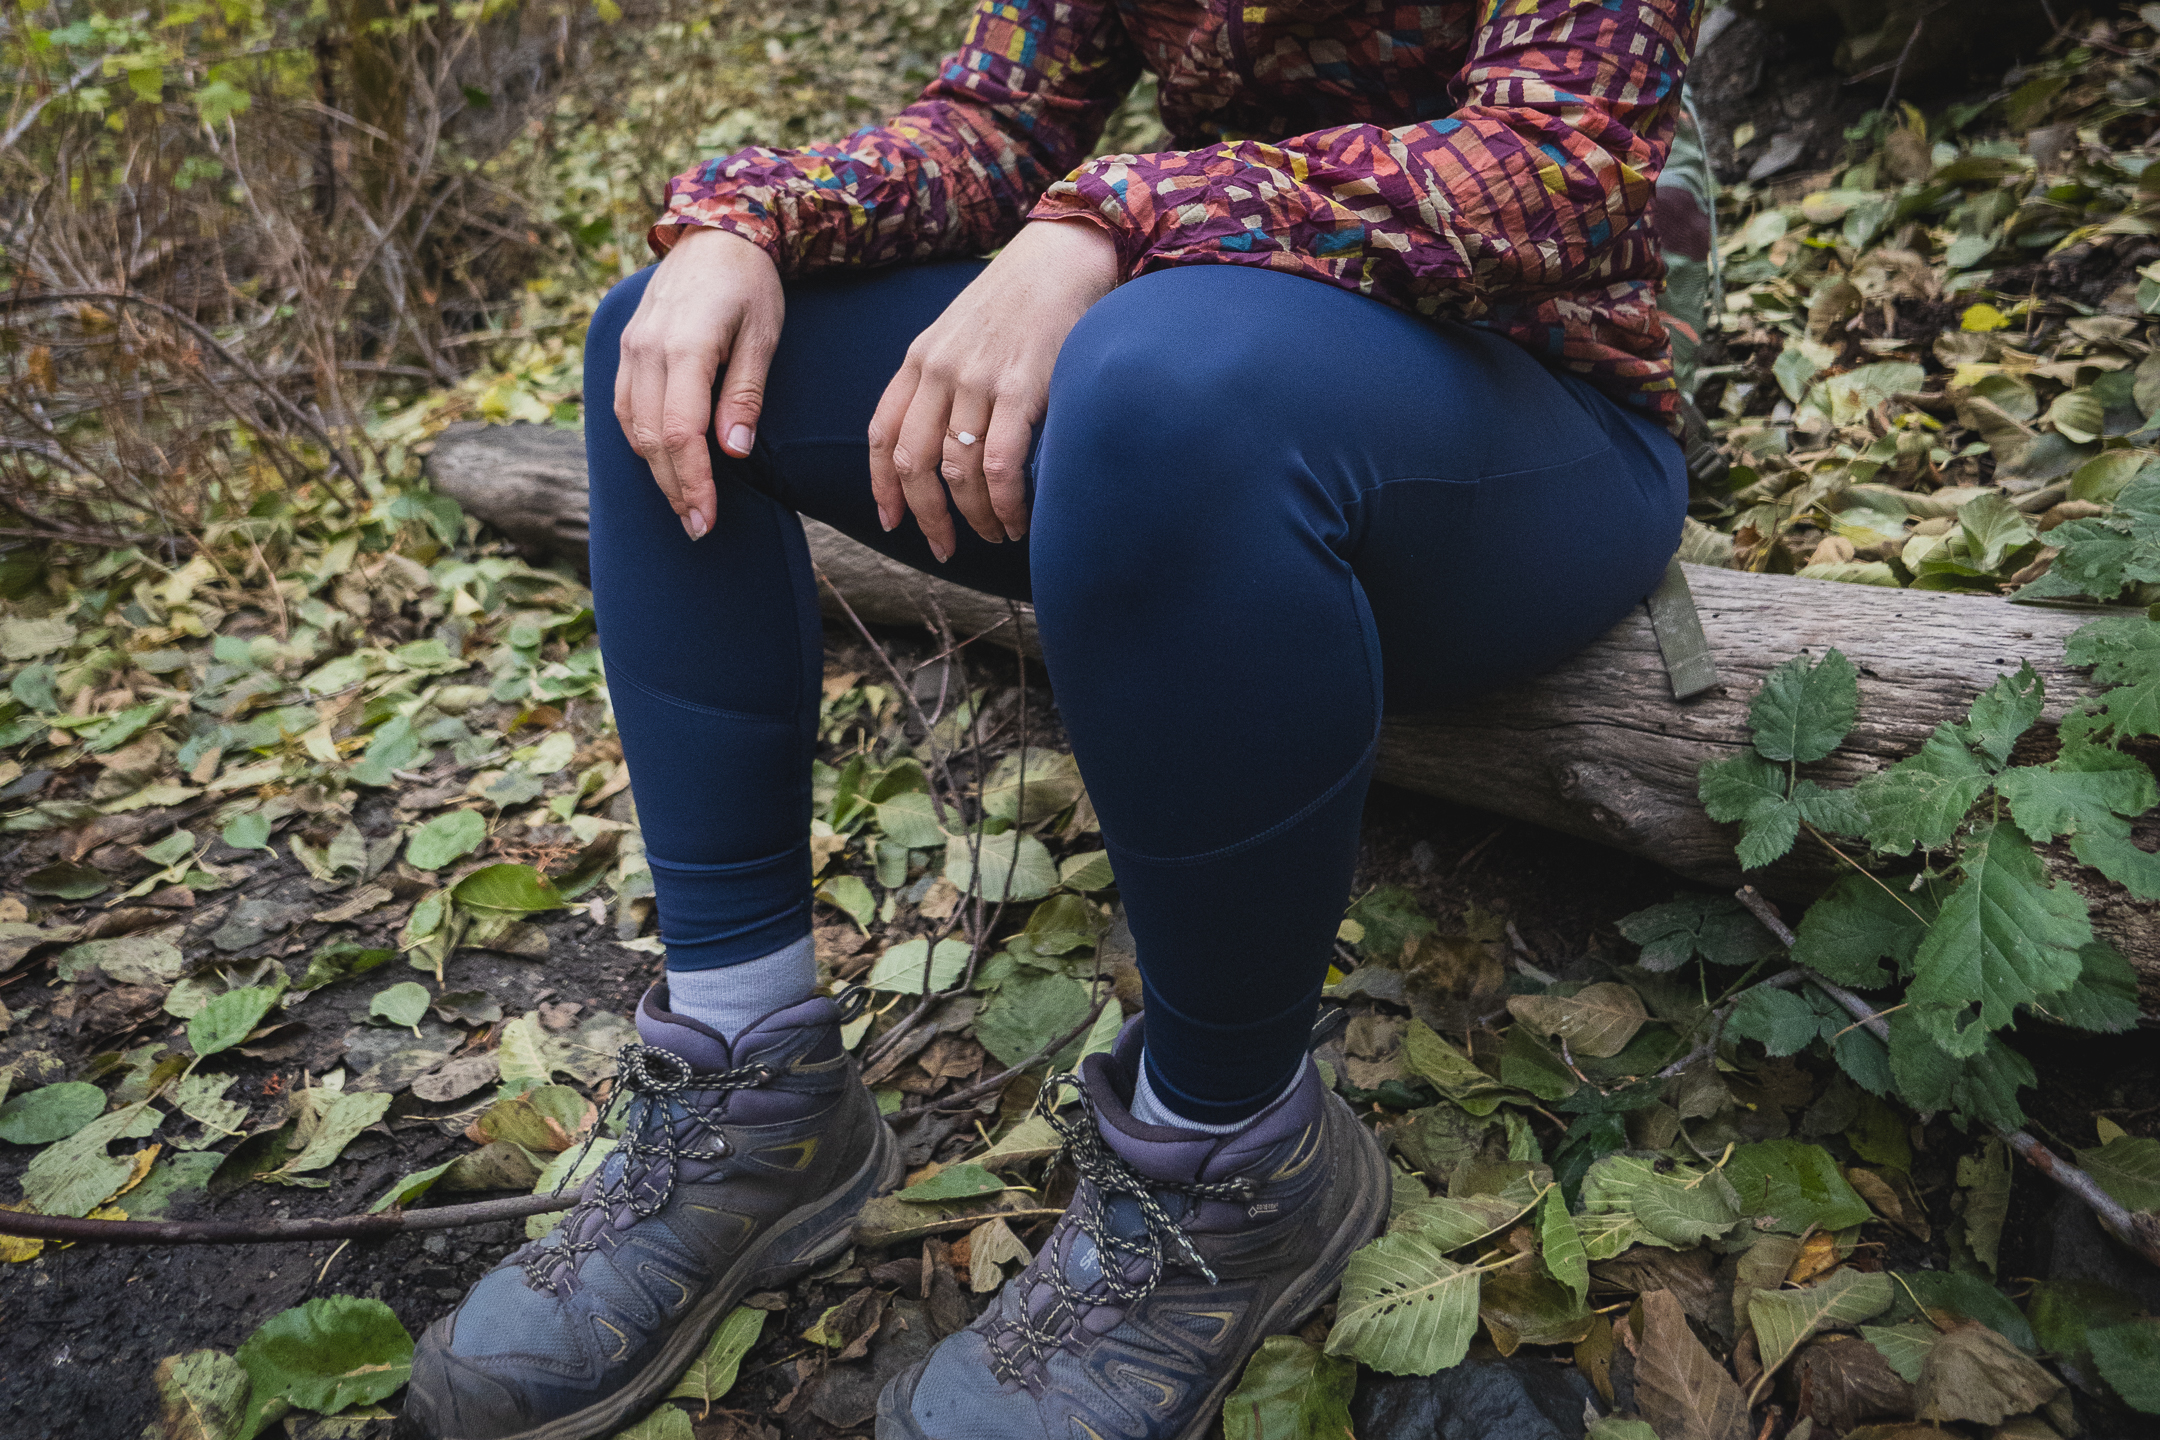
(1094, 195)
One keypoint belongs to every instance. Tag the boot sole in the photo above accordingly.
(1298, 1302)
(805, 1236)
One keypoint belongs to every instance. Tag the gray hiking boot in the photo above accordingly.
(739, 1168)
(1214, 1243)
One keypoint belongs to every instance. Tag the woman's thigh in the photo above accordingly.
(1249, 432)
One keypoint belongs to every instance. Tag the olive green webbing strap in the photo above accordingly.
(1680, 638)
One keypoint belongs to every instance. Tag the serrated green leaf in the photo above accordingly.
(1561, 1246)
(1405, 1308)
(1794, 1186)
(449, 836)
(229, 1018)
(2091, 793)
(1675, 1209)
(1014, 866)
(1450, 1223)
(712, 1374)
(1804, 710)
(2004, 711)
(1750, 790)
(1291, 1390)
(2124, 653)
(1716, 927)
(332, 1352)
(1861, 922)
(1090, 871)
(2006, 937)
(909, 818)
(2105, 997)
(1781, 1022)
(1784, 1319)
(1391, 919)
(1921, 801)
(1984, 1085)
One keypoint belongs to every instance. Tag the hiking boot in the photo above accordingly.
(739, 1168)
(1213, 1243)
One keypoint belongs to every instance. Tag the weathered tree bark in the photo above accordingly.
(1597, 748)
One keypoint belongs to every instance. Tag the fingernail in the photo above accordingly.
(738, 440)
(694, 522)
(886, 517)
(1014, 532)
(942, 549)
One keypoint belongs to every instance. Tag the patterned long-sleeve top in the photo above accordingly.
(1491, 162)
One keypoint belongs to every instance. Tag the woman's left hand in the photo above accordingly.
(982, 371)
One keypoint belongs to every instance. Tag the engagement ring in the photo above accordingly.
(962, 436)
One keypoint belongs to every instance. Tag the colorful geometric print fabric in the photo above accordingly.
(1492, 162)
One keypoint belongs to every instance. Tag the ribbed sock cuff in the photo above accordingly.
(732, 998)
(1149, 1106)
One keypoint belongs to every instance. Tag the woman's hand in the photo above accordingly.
(715, 299)
(983, 372)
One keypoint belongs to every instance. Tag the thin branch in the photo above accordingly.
(67, 1230)
(2139, 1232)
(961, 1099)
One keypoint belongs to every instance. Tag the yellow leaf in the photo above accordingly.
(1984, 317)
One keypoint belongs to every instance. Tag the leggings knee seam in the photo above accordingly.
(616, 672)
(1305, 812)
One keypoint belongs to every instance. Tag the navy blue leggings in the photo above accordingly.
(1250, 490)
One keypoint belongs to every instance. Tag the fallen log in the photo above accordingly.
(1597, 748)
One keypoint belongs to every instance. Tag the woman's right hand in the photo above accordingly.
(714, 300)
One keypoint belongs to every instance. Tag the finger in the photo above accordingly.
(917, 458)
(687, 411)
(742, 392)
(1004, 462)
(884, 432)
(963, 464)
(648, 399)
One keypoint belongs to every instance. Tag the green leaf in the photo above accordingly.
(1921, 801)
(411, 1188)
(1784, 1319)
(1561, 1245)
(76, 1175)
(1993, 529)
(1030, 1010)
(1527, 1064)
(2091, 793)
(909, 818)
(1903, 1347)
(1862, 921)
(1950, 1296)
(1803, 711)
(1405, 1308)
(1391, 920)
(1450, 1223)
(1794, 1185)
(1291, 1390)
(1782, 1022)
(229, 1018)
(2128, 1168)
(341, 960)
(712, 1374)
(449, 836)
(1750, 790)
(514, 888)
(1032, 789)
(65, 880)
(1088, 872)
(2064, 1313)
(332, 1352)
(1676, 1209)
(401, 1004)
(202, 1395)
(1983, 1086)
(2124, 652)
(1985, 1179)
(1716, 927)
(49, 1113)
(910, 968)
(2128, 1358)
(1014, 866)
(1597, 1020)
(2105, 997)
(954, 1182)
(665, 1423)
(2004, 711)
(344, 1118)
(852, 898)
(2006, 937)
(1451, 1072)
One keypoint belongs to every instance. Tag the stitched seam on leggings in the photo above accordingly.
(1304, 1001)
(726, 866)
(1307, 811)
(615, 672)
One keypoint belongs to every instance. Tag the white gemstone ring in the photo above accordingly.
(962, 436)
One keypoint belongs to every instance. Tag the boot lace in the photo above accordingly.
(655, 1080)
(1104, 1175)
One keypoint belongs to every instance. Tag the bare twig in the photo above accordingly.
(67, 1230)
(2139, 1232)
(961, 1099)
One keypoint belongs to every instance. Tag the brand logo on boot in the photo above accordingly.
(1267, 1207)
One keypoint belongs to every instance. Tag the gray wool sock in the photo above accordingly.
(1150, 1108)
(732, 998)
